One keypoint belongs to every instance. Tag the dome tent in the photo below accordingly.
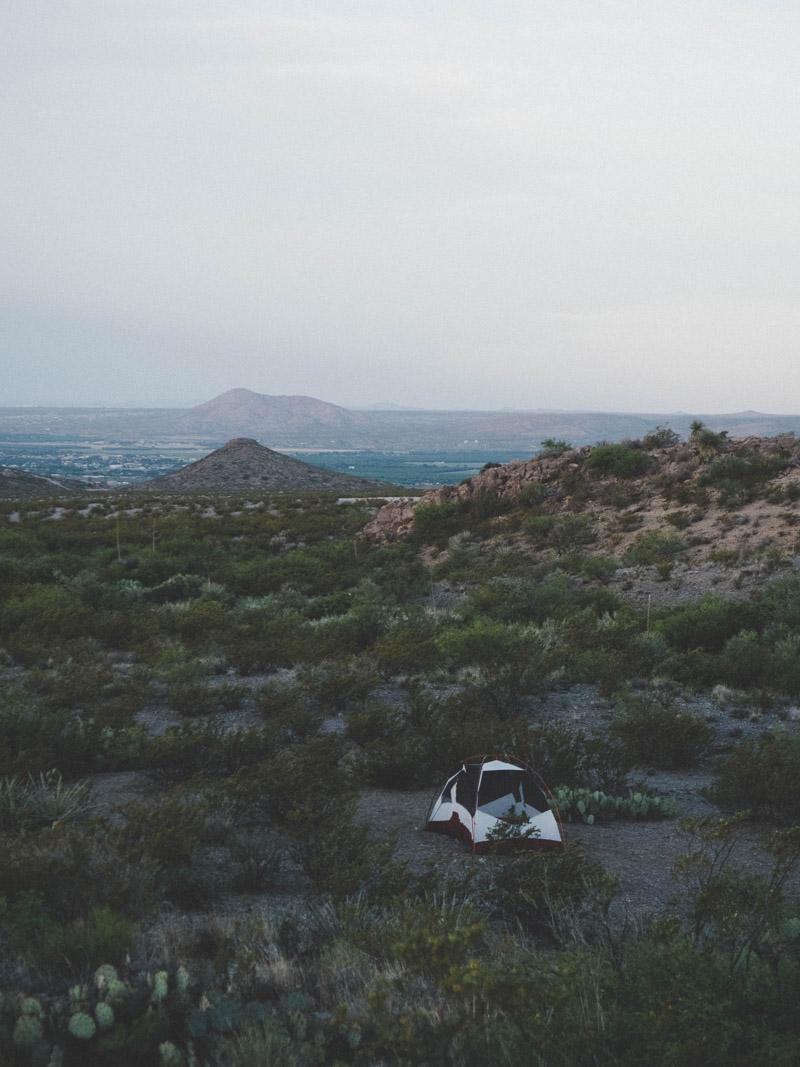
(494, 800)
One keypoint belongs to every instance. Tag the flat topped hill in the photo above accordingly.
(241, 411)
(245, 465)
(21, 485)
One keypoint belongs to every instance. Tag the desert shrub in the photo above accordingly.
(653, 547)
(176, 588)
(33, 740)
(52, 948)
(557, 597)
(197, 698)
(165, 833)
(258, 858)
(295, 775)
(206, 747)
(562, 532)
(323, 607)
(337, 853)
(707, 440)
(745, 661)
(435, 523)
(289, 712)
(679, 519)
(740, 477)
(689, 492)
(705, 624)
(554, 446)
(74, 868)
(334, 684)
(619, 495)
(577, 759)
(532, 494)
(618, 461)
(483, 505)
(594, 567)
(762, 776)
(264, 644)
(485, 643)
(784, 664)
(394, 754)
(658, 734)
(540, 891)
(660, 437)
(409, 645)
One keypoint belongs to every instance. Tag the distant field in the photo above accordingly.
(122, 464)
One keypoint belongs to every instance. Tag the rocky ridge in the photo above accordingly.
(729, 502)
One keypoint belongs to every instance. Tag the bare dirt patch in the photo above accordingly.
(640, 855)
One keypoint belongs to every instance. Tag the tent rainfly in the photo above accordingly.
(494, 800)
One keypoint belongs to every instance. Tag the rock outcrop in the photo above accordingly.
(686, 486)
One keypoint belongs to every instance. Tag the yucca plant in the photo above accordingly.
(37, 800)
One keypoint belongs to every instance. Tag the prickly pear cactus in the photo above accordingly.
(82, 1026)
(31, 1006)
(170, 1055)
(105, 975)
(104, 1014)
(27, 1032)
(160, 987)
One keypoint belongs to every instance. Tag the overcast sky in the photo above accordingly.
(472, 204)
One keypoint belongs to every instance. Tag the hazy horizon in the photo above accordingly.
(390, 407)
(469, 206)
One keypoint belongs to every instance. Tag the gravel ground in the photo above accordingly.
(640, 855)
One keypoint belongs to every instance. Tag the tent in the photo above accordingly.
(496, 800)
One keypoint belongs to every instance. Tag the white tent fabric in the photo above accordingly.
(492, 800)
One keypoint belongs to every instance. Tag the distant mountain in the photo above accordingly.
(301, 419)
(243, 465)
(298, 422)
(20, 485)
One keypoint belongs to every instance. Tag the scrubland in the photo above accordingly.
(221, 718)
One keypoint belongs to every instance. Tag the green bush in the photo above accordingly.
(553, 446)
(539, 892)
(658, 734)
(564, 533)
(435, 523)
(198, 698)
(762, 776)
(618, 461)
(660, 437)
(705, 624)
(654, 547)
(741, 477)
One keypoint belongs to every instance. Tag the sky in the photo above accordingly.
(588, 205)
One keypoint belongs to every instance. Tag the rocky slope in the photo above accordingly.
(243, 465)
(724, 501)
(20, 485)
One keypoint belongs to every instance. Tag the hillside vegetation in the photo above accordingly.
(222, 719)
(676, 506)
